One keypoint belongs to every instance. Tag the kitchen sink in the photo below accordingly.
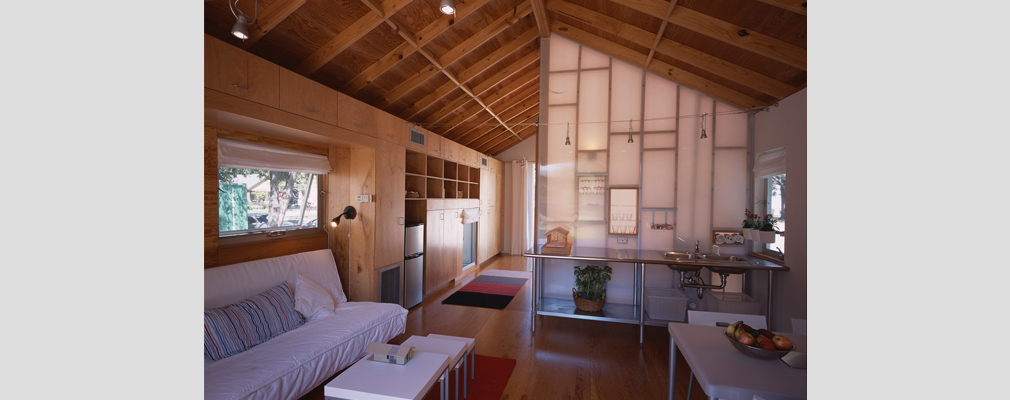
(678, 255)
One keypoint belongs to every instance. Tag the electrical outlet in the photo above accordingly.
(622, 240)
(363, 198)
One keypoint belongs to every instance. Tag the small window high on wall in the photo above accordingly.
(264, 188)
(770, 176)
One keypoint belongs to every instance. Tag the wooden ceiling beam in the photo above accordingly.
(677, 75)
(515, 115)
(501, 145)
(349, 36)
(498, 95)
(681, 52)
(483, 65)
(491, 82)
(434, 96)
(725, 32)
(419, 39)
(269, 18)
(507, 112)
(541, 17)
(485, 34)
(659, 35)
(796, 6)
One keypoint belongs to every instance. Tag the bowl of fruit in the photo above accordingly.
(758, 343)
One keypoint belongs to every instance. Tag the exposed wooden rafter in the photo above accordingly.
(269, 19)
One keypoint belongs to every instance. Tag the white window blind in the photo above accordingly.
(238, 154)
(769, 163)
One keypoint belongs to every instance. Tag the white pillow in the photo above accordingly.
(312, 299)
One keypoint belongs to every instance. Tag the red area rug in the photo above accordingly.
(493, 289)
(488, 384)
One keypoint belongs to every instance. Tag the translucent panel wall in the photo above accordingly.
(688, 185)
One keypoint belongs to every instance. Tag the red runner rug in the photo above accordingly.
(488, 384)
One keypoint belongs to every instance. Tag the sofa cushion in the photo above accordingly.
(312, 299)
(237, 327)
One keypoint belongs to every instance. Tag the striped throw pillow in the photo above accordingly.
(238, 327)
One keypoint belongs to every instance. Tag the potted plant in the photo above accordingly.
(749, 225)
(768, 229)
(590, 291)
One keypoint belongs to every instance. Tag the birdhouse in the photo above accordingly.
(557, 242)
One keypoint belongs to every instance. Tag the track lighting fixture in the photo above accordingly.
(568, 128)
(447, 7)
(241, 22)
(630, 139)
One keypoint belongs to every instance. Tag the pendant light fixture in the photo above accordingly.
(241, 22)
(703, 135)
(630, 139)
(447, 7)
(568, 128)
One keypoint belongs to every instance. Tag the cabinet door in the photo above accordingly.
(305, 97)
(392, 129)
(433, 259)
(450, 150)
(434, 144)
(390, 164)
(483, 236)
(453, 239)
(231, 70)
(357, 116)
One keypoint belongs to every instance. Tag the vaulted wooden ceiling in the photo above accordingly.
(474, 77)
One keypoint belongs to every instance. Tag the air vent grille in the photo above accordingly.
(417, 137)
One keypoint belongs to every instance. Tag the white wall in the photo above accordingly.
(528, 149)
(786, 126)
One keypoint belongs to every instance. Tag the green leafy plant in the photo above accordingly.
(753, 221)
(768, 224)
(591, 282)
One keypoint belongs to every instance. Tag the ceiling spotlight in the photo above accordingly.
(239, 30)
(241, 22)
(447, 7)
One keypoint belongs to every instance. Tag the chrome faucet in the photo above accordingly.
(697, 247)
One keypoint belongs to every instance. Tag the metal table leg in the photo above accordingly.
(673, 362)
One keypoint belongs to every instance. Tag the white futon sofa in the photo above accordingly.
(333, 336)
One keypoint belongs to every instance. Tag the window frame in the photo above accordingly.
(278, 233)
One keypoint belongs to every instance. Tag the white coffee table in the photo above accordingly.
(372, 380)
(454, 349)
(471, 345)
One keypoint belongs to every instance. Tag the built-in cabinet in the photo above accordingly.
(444, 176)
(233, 71)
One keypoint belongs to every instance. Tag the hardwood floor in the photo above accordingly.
(565, 358)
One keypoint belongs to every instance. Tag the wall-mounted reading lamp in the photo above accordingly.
(349, 213)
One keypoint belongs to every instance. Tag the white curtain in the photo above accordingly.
(521, 221)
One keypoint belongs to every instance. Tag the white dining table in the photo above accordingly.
(723, 372)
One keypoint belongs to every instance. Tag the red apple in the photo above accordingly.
(746, 339)
(766, 333)
(765, 343)
(782, 342)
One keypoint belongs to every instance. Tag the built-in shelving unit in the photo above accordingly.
(430, 177)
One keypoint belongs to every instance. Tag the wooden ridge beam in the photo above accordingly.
(522, 100)
(541, 17)
(724, 31)
(269, 19)
(516, 121)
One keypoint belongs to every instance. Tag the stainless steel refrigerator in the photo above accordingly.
(413, 264)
